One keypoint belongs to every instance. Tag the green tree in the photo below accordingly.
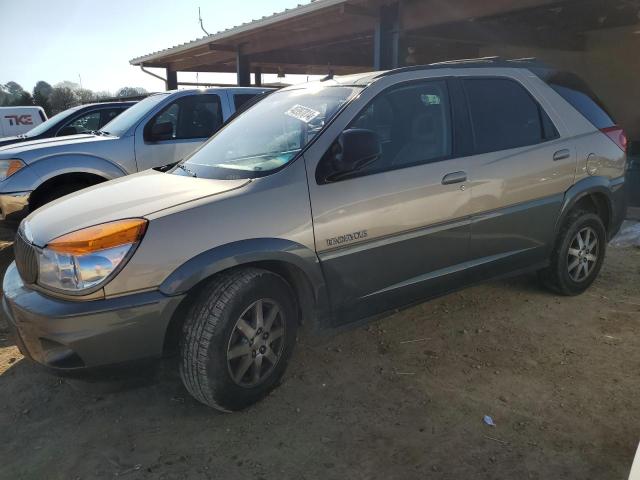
(12, 93)
(24, 99)
(85, 95)
(41, 93)
(62, 98)
(130, 92)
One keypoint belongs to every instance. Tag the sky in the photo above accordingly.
(92, 41)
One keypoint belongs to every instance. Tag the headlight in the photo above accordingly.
(86, 258)
(9, 167)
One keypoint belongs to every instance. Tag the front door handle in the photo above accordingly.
(455, 177)
(561, 155)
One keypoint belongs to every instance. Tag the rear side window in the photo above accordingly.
(239, 99)
(504, 115)
(108, 114)
(575, 91)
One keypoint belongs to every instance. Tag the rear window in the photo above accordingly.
(575, 91)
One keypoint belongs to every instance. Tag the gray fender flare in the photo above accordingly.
(579, 190)
(243, 252)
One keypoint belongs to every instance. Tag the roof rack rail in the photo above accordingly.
(472, 62)
(467, 60)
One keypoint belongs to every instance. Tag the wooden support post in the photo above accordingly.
(386, 47)
(243, 69)
(257, 74)
(172, 80)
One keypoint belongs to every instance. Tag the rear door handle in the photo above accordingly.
(455, 177)
(561, 155)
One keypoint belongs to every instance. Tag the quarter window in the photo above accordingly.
(504, 115)
(193, 116)
(575, 91)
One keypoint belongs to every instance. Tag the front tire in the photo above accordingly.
(238, 339)
(578, 254)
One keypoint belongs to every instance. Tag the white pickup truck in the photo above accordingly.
(159, 130)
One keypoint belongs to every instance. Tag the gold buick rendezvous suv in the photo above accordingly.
(324, 203)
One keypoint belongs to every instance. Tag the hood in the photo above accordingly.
(32, 150)
(136, 195)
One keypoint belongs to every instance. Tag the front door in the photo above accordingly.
(194, 118)
(398, 230)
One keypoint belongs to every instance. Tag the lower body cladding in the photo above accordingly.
(75, 336)
(14, 206)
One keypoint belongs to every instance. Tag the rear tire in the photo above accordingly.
(238, 338)
(577, 256)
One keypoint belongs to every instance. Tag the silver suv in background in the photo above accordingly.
(159, 130)
(325, 203)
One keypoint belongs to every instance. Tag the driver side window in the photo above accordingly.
(413, 125)
(193, 116)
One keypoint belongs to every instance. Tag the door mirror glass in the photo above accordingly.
(354, 150)
(161, 131)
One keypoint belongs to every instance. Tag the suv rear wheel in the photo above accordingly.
(578, 254)
(238, 339)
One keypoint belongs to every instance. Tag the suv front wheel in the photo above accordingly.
(238, 338)
(578, 254)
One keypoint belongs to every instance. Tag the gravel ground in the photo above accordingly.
(401, 398)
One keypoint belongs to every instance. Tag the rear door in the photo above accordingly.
(524, 161)
(194, 118)
(398, 230)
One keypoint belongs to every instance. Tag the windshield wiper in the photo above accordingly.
(189, 172)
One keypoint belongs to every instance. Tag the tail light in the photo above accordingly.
(617, 135)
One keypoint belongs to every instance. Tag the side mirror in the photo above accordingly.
(354, 150)
(161, 131)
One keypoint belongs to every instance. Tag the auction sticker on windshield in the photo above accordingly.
(302, 113)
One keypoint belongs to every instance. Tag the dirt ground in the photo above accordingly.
(401, 398)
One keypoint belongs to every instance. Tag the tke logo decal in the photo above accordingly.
(19, 119)
(349, 237)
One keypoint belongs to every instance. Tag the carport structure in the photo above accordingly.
(599, 39)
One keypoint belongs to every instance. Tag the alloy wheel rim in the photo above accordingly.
(256, 343)
(583, 254)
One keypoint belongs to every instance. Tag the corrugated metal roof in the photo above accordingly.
(265, 21)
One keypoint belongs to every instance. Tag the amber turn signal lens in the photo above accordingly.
(100, 237)
(14, 166)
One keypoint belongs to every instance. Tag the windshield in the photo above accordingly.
(123, 122)
(44, 126)
(268, 135)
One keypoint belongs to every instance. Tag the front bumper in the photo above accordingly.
(80, 335)
(14, 206)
